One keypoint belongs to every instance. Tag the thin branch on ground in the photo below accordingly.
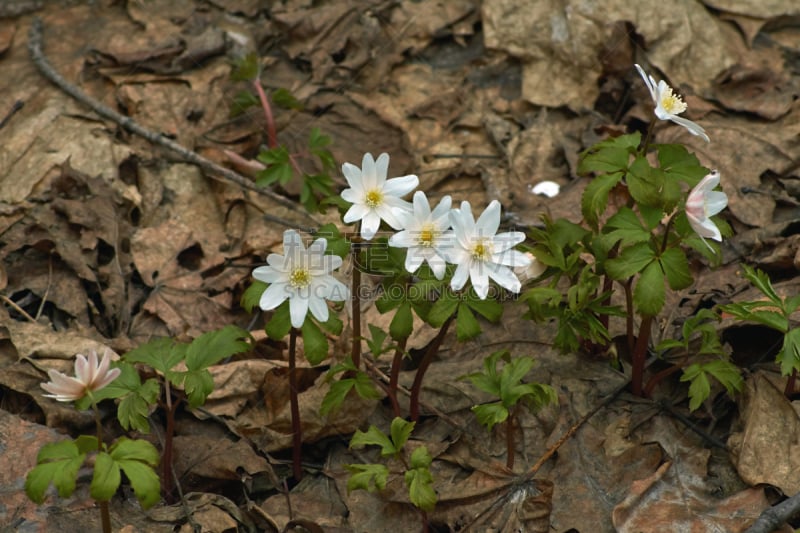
(208, 166)
(772, 518)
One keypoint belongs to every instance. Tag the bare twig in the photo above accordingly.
(772, 518)
(213, 169)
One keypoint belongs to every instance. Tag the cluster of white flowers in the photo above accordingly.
(437, 237)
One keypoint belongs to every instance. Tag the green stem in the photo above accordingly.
(105, 514)
(297, 430)
(433, 349)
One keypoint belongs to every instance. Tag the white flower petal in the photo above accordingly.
(479, 276)
(647, 81)
(353, 176)
(355, 213)
(489, 221)
(350, 195)
(268, 274)
(381, 169)
(298, 309)
(318, 308)
(400, 186)
(403, 239)
(369, 225)
(693, 127)
(504, 241)
(549, 189)
(369, 180)
(414, 259)
(273, 296)
(460, 276)
(716, 201)
(505, 277)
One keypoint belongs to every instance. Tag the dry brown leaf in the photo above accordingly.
(766, 450)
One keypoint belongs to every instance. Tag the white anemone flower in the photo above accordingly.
(303, 277)
(669, 105)
(375, 198)
(481, 253)
(90, 376)
(425, 234)
(703, 203)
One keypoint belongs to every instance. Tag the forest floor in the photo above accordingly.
(108, 240)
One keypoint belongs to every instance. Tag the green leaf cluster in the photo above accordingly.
(354, 379)
(507, 385)
(722, 370)
(417, 474)
(164, 355)
(58, 464)
(774, 312)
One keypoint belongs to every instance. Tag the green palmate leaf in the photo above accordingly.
(333, 325)
(630, 261)
(246, 68)
(138, 458)
(680, 165)
(252, 295)
(337, 243)
(676, 267)
(106, 478)
(610, 155)
(402, 323)
(727, 373)
(443, 309)
(159, 354)
(376, 437)
(400, 431)
(377, 340)
(491, 310)
(789, 356)
(490, 414)
(335, 396)
(197, 384)
(315, 343)
(626, 228)
(649, 294)
(57, 463)
(762, 282)
(646, 184)
(511, 378)
(242, 101)
(212, 347)
(369, 477)
(467, 326)
(136, 398)
(285, 99)
(699, 386)
(420, 481)
(595, 197)
(281, 322)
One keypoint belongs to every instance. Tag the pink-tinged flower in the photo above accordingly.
(669, 105)
(375, 198)
(702, 204)
(481, 253)
(89, 377)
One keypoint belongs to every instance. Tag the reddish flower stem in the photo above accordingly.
(510, 421)
(394, 375)
(790, 384)
(639, 355)
(433, 349)
(272, 136)
(169, 433)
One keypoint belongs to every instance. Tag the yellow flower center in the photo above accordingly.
(672, 103)
(374, 198)
(482, 251)
(426, 236)
(300, 278)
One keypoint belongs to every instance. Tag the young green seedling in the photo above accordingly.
(507, 385)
